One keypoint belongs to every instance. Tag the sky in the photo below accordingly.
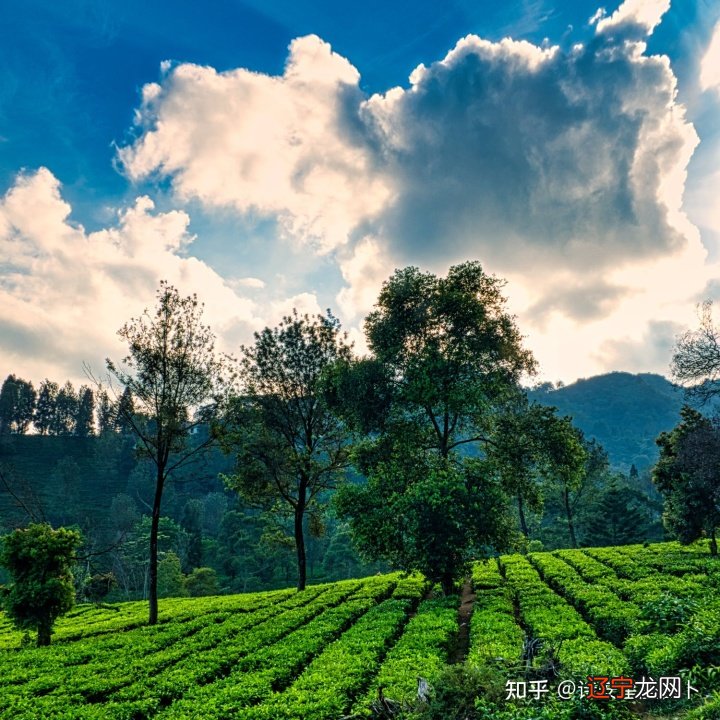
(277, 155)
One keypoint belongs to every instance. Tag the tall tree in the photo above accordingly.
(7, 404)
(17, 405)
(66, 409)
(688, 476)
(449, 358)
(619, 516)
(46, 407)
(125, 411)
(696, 358)
(176, 381)
(85, 412)
(106, 413)
(532, 447)
(290, 447)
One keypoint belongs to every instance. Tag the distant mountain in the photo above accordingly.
(622, 411)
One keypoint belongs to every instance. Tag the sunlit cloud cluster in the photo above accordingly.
(563, 171)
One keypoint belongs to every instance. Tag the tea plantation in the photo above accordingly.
(539, 621)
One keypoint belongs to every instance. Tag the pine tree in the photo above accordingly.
(125, 411)
(66, 408)
(17, 405)
(45, 408)
(85, 410)
(24, 406)
(618, 518)
(106, 413)
(7, 404)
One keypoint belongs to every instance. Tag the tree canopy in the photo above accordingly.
(172, 382)
(40, 561)
(441, 387)
(688, 476)
(290, 447)
(696, 358)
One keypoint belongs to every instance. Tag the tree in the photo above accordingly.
(202, 581)
(125, 413)
(39, 560)
(171, 582)
(45, 407)
(696, 358)
(532, 446)
(447, 358)
(17, 405)
(7, 404)
(290, 447)
(619, 517)
(85, 412)
(421, 511)
(106, 413)
(176, 382)
(66, 409)
(687, 474)
(191, 522)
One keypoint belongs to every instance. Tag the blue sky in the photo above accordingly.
(257, 154)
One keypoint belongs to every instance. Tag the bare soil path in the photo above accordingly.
(467, 602)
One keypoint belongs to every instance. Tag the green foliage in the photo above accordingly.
(320, 654)
(422, 512)
(686, 475)
(17, 405)
(170, 580)
(98, 586)
(667, 613)
(422, 651)
(446, 361)
(39, 560)
(290, 449)
(176, 383)
(619, 516)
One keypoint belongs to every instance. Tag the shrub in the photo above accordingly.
(39, 560)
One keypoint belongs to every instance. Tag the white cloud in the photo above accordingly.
(642, 14)
(364, 271)
(65, 292)
(274, 145)
(563, 171)
(710, 63)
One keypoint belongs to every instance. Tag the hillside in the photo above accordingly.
(624, 412)
(322, 654)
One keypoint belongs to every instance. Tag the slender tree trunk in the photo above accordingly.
(155, 525)
(521, 513)
(447, 583)
(300, 537)
(713, 543)
(44, 633)
(568, 512)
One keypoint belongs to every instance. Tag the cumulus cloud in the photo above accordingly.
(274, 145)
(364, 271)
(582, 302)
(65, 292)
(633, 16)
(563, 170)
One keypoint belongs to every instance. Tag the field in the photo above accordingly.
(633, 612)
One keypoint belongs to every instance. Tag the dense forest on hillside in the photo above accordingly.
(624, 412)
